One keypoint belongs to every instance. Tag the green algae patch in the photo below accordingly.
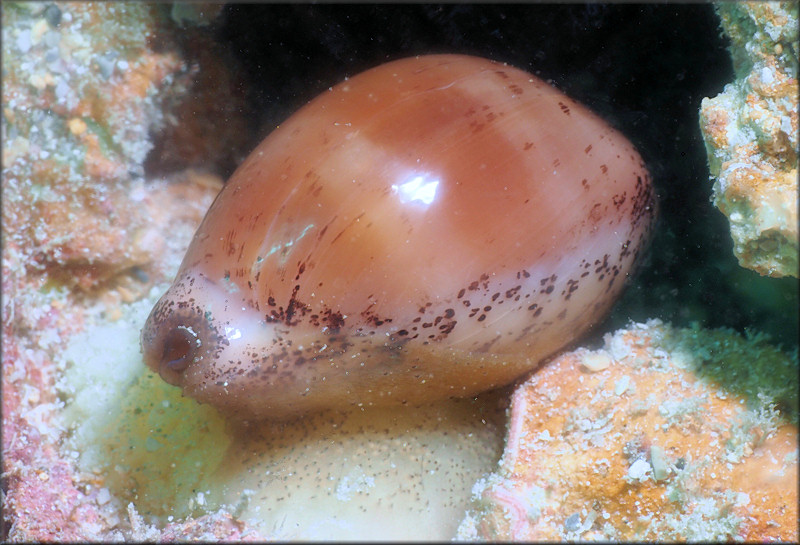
(162, 445)
(747, 365)
(138, 435)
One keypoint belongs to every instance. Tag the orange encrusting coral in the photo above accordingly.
(626, 443)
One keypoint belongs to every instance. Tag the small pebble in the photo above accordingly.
(573, 522)
(24, 41)
(596, 362)
(52, 15)
(621, 385)
(639, 470)
(62, 88)
(106, 66)
(76, 126)
(52, 38)
(139, 274)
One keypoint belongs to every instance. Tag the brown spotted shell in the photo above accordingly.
(432, 227)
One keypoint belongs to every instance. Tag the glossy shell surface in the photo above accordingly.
(432, 227)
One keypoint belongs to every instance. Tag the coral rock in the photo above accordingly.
(750, 131)
(629, 443)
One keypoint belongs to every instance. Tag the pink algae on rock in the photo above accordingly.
(82, 89)
(630, 443)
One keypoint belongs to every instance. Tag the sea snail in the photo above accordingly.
(433, 227)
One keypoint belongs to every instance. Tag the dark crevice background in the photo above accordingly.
(644, 68)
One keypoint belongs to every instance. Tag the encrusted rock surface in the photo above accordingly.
(644, 439)
(82, 90)
(751, 132)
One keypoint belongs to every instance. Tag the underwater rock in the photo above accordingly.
(76, 111)
(80, 95)
(81, 89)
(750, 131)
(647, 439)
